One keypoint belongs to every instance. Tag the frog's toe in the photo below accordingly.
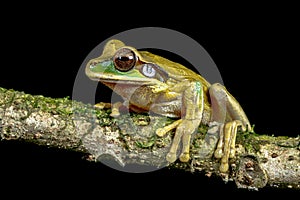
(102, 105)
(115, 113)
(224, 167)
(171, 157)
(160, 132)
(232, 152)
(163, 131)
(115, 109)
(184, 157)
(218, 153)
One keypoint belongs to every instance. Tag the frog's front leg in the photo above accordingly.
(115, 107)
(183, 133)
(192, 109)
(227, 111)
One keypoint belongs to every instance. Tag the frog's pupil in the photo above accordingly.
(125, 58)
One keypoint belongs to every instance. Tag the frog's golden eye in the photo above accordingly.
(124, 60)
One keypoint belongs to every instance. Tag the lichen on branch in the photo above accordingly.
(260, 160)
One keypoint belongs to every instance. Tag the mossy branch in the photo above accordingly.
(260, 160)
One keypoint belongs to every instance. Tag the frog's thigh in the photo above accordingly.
(218, 102)
(224, 105)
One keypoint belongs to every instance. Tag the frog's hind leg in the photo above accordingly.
(227, 111)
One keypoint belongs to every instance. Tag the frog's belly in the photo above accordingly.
(168, 109)
(171, 109)
(151, 103)
(174, 110)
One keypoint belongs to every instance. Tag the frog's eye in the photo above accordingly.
(151, 70)
(124, 60)
(148, 70)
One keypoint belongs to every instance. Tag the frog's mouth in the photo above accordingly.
(135, 81)
(130, 78)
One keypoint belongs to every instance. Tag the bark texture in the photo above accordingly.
(129, 142)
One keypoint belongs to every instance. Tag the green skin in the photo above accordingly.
(156, 84)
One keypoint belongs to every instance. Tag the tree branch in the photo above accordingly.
(130, 139)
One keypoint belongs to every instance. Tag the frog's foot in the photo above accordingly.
(171, 156)
(226, 145)
(102, 105)
(185, 128)
(115, 107)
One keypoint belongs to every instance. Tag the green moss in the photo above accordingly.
(146, 144)
(251, 140)
(137, 131)
(202, 129)
(34, 103)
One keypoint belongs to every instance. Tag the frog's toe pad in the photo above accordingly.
(218, 153)
(184, 157)
(171, 157)
(232, 153)
(102, 105)
(224, 167)
(115, 113)
(160, 132)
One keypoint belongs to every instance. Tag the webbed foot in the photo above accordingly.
(226, 145)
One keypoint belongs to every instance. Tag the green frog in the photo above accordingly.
(149, 82)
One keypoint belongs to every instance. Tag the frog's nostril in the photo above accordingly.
(92, 66)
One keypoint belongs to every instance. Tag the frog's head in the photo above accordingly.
(125, 64)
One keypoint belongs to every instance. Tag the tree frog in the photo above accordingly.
(148, 82)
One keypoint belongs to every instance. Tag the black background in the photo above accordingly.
(256, 51)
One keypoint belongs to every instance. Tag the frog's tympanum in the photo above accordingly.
(148, 82)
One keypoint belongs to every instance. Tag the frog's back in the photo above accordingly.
(178, 71)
